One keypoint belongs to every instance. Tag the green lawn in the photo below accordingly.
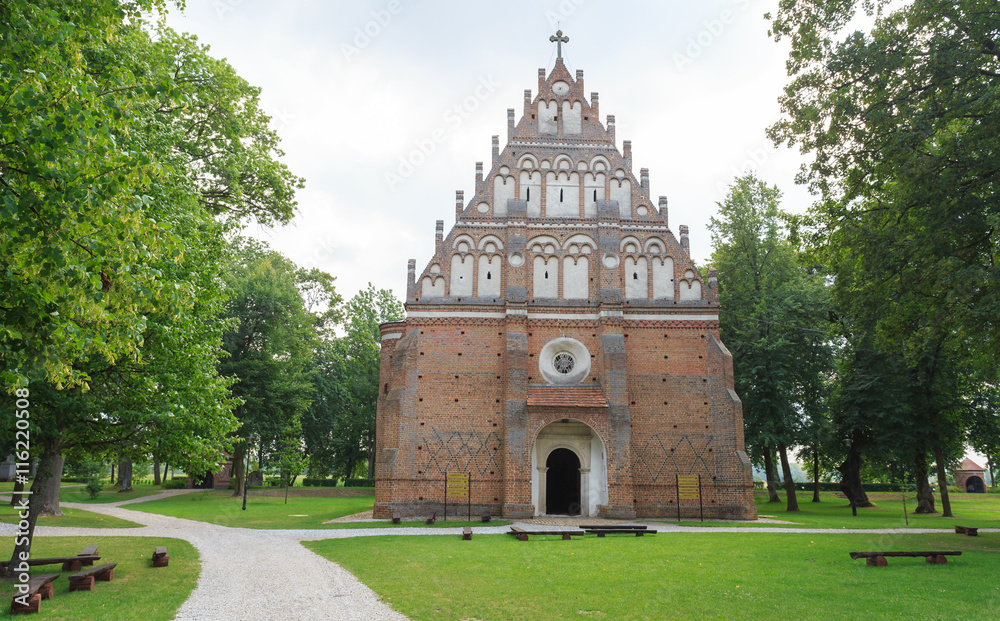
(8, 486)
(71, 517)
(674, 576)
(982, 510)
(418, 524)
(219, 507)
(109, 494)
(137, 590)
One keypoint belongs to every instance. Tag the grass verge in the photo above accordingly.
(137, 590)
(673, 576)
(77, 518)
(981, 510)
(219, 507)
(109, 494)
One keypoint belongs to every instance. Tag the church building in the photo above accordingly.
(560, 347)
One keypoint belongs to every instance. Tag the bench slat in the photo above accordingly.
(93, 571)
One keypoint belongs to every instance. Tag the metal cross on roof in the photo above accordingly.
(559, 39)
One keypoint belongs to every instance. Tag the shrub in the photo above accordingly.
(359, 483)
(94, 487)
(174, 483)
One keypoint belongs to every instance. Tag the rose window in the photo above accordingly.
(563, 363)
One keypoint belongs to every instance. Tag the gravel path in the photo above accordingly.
(240, 567)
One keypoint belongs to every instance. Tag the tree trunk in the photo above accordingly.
(371, 463)
(851, 485)
(786, 472)
(156, 472)
(125, 475)
(39, 502)
(993, 478)
(815, 476)
(239, 470)
(925, 497)
(942, 480)
(15, 499)
(48, 492)
(770, 476)
(112, 473)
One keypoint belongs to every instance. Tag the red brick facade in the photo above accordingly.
(560, 327)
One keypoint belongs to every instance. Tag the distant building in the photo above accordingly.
(214, 480)
(971, 477)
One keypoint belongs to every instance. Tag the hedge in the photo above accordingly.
(314, 482)
(359, 483)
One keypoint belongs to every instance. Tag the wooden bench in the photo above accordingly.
(877, 559)
(486, 516)
(433, 516)
(967, 530)
(396, 517)
(69, 563)
(160, 557)
(39, 588)
(84, 580)
(522, 535)
(638, 532)
(615, 527)
(467, 533)
(88, 551)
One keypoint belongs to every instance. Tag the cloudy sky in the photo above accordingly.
(354, 88)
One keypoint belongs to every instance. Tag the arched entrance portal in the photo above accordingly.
(562, 490)
(569, 470)
(975, 485)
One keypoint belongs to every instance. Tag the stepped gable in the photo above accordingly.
(560, 173)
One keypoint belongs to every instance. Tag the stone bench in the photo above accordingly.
(967, 530)
(433, 517)
(39, 588)
(467, 533)
(160, 557)
(396, 517)
(486, 516)
(84, 580)
(522, 535)
(877, 559)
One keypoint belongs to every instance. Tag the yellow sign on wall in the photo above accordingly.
(457, 485)
(689, 487)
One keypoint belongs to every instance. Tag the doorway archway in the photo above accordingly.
(569, 470)
(975, 485)
(562, 478)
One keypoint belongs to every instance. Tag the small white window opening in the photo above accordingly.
(489, 276)
(546, 274)
(560, 196)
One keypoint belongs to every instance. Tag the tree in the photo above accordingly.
(339, 428)
(111, 241)
(772, 318)
(901, 123)
(270, 348)
(289, 457)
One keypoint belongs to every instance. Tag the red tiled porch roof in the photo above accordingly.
(566, 396)
(968, 464)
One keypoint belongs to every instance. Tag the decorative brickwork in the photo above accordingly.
(560, 321)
